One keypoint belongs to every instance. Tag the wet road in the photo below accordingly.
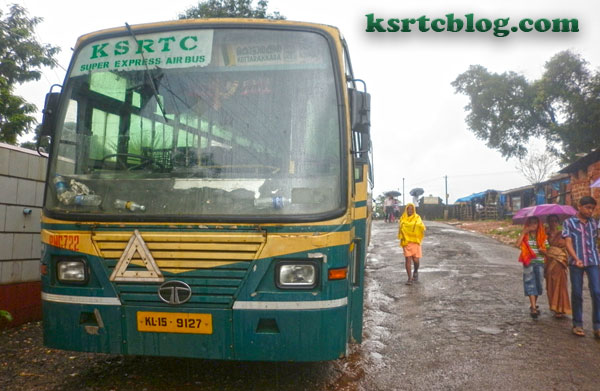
(463, 326)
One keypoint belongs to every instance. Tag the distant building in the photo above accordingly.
(482, 205)
(551, 191)
(431, 200)
(583, 172)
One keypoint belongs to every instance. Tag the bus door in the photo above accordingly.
(362, 184)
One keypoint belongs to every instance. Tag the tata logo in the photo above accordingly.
(174, 292)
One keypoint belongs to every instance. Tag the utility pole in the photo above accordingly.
(403, 192)
(446, 180)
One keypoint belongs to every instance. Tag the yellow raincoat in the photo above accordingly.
(411, 228)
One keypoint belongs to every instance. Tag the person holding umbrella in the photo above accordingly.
(411, 231)
(533, 243)
(556, 269)
(581, 234)
(388, 206)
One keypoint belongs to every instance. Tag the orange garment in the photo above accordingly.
(527, 253)
(556, 274)
(412, 250)
(556, 281)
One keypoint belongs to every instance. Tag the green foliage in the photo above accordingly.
(44, 143)
(562, 107)
(230, 9)
(21, 60)
(511, 232)
(6, 315)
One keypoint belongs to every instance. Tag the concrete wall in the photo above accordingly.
(22, 176)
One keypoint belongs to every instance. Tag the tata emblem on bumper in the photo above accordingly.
(175, 292)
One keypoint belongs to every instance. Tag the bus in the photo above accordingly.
(208, 193)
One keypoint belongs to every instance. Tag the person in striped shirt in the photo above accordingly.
(581, 234)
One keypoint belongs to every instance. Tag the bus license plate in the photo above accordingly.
(174, 322)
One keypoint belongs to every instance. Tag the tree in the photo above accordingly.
(562, 107)
(536, 167)
(21, 60)
(44, 141)
(230, 9)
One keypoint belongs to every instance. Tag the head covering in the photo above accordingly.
(527, 253)
(411, 228)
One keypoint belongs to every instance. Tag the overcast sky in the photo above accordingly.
(418, 123)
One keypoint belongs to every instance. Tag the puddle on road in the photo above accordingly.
(490, 330)
(375, 295)
(431, 269)
(352, 371)
(367, 357)
(455, 231)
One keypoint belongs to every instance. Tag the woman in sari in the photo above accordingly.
(556, 270)
(411, 231)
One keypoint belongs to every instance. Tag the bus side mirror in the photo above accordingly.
(48, 119)
(360, 119)
(49, 114)
(360, 110)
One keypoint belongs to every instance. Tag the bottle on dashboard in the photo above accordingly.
(129, 205)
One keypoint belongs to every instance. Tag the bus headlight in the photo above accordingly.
(71, 270)
(296, 274)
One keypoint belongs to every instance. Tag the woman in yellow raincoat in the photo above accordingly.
(410, 232)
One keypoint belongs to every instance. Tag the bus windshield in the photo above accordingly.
(200, 123)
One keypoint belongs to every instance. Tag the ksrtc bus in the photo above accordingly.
(208, 193)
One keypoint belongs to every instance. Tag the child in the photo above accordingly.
(581, 234)
(533, 244)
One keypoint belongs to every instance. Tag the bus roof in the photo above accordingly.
(208, 21)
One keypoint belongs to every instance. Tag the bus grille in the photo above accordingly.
(212, 264)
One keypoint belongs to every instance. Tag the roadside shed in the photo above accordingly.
(582, 173)
(482, 205)
(518, 198)
(551, 191)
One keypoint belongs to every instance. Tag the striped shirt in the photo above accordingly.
(584, 238)
(539, 257)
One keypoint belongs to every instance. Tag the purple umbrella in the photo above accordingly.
(596, 183)
(542, 211)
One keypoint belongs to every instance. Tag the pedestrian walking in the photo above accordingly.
(411, 231)
(533, 242)
(396, 210)
(388, 208)
(581, 233)
(556, 269)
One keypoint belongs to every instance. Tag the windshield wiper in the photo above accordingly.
(147, 73)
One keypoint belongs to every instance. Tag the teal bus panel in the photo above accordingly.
(290, 335)
(75, 327)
